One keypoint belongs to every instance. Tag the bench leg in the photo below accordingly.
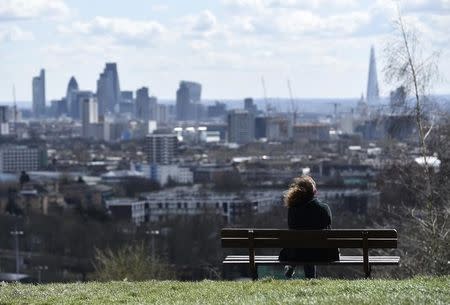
(367, 271)
(254, 272)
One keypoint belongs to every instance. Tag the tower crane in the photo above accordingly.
(294, 106)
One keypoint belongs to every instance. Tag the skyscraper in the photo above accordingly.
(146, 106)
(108, 90)
(72, 89)
(250, 106)
(89, 115)
(38, 85)
(373, 94)
(188, 101)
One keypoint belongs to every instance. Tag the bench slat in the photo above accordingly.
(310, 243)
(309, 234)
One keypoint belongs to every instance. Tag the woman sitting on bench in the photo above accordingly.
(306, 212)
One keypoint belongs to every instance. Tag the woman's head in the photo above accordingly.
(300, 191)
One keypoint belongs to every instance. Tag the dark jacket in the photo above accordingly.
(313, 215)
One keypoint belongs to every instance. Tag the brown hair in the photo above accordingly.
(300, 191)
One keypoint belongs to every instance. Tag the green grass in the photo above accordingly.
(420, 290)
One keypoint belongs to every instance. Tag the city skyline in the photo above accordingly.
(227, 46)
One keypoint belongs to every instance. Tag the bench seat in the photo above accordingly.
(343, 260)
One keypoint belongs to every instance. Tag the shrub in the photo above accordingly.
(130, 263)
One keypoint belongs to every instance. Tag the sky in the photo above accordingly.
(321, 46)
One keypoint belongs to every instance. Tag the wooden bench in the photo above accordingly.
(364, 239)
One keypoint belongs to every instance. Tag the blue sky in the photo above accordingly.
(322, 46)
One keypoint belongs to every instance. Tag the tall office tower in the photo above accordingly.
(188, 101)
(241, 126)
(89, 116)
(250, 106)
(142, 104)
(77, 103)
(72, 89)
(153, 108)
(108, 90)
(373, 94)
(161, 148)
(39, 94)
(162, 113)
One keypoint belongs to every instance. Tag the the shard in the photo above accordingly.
(373, 94)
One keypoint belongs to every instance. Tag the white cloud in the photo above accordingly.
(120, 30)
(14, 33)
(25, 9)
(203, 25)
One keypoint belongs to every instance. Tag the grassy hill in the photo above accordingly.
(421, 290)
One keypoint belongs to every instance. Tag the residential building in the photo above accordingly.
(165, 204)
(89, 116)
(17, 158)
(4, 125)
(161, 148)
(128, 209)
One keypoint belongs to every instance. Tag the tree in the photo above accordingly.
(416, 196)
(407, 66)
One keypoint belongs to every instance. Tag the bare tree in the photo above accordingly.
(408, 66)
(426, 225)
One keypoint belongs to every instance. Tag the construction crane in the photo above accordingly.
(294, 106)
(268, 106)
(14, 108)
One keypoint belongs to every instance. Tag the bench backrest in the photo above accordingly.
(278, 238)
